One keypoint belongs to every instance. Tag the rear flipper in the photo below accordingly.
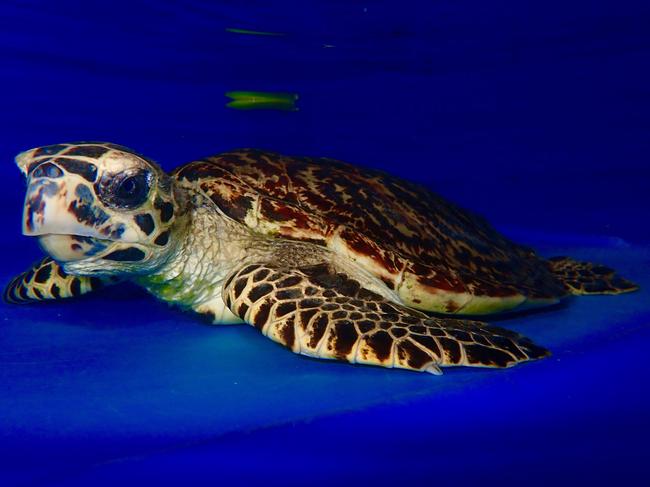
(46, 280)
(588, 278)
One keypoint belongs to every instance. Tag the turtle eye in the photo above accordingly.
(132, 190)
(126, 190)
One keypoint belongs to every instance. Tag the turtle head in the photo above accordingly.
(98, 208)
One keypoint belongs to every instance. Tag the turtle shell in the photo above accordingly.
(435, 255)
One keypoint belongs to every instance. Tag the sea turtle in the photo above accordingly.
(330, 260)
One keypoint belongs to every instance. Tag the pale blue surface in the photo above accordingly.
(124, 377)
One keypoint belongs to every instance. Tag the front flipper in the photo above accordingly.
(46, 280)
(315, 311)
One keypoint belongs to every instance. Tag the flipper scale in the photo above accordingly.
(582, 278)
(46, 280)
(306, 310)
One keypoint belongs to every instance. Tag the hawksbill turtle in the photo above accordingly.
(328, 259)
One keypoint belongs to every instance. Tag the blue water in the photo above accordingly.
(534, 116)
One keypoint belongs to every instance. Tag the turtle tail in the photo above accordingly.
(587, 278)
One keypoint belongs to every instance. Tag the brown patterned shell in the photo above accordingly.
(435, 255)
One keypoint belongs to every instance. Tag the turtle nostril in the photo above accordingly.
(47, 170)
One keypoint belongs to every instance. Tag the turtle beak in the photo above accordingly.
(52, 208)
(63, 215)
(57, 202)
(60, 203)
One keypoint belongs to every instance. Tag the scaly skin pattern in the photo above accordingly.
(208, 246)
(583, 278)
(316, 311)
(46, 280)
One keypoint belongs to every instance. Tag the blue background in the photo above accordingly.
(535, 115)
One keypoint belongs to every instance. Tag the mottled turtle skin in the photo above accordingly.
(328, 259)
